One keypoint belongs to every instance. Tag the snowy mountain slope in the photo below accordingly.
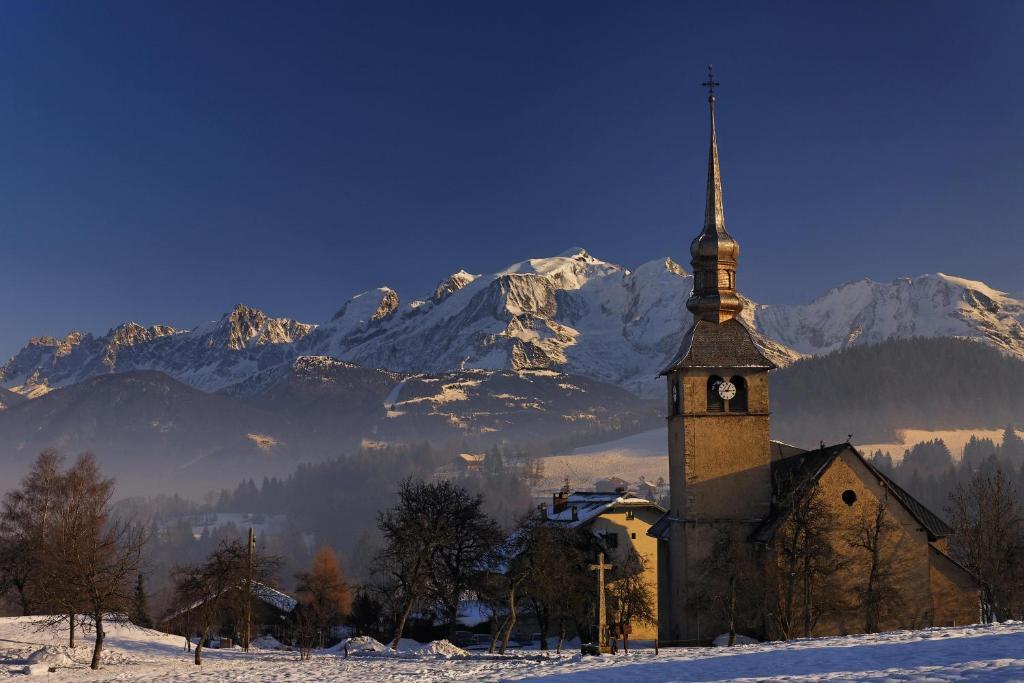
(159, 434)
(148, 428)
(573, 312)
(866, 312)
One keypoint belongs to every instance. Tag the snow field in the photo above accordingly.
(992, 652)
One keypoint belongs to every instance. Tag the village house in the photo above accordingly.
(461, 465)
(731, 484)
(270, 611)
(619, 522)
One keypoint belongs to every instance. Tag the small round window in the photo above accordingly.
(849, 497)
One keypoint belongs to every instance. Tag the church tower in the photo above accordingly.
(718, 418)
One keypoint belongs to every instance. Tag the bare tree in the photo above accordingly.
(17, 567)
(874, 534)
(631, 598)
(462, 556)
(559, 580)
(802, 576)
(26, 524)
(210, 593)
(105, 554)
(988, 539)
(729, 586)
(424, 553)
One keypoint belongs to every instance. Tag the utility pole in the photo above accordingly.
(248, 591)
(602, 620)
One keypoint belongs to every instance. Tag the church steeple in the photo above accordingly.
(714, 252)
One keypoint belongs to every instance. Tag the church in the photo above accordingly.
(769, 540)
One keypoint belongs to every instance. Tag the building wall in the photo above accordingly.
(632, 533)
(906, 552)
(955, 598)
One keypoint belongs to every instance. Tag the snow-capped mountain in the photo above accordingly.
(572, 312)
(232, 349)
(866, 312)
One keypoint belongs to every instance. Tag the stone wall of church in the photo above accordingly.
(905, 552)
(955, 598)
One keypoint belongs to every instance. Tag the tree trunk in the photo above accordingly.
(199, 646)
(23, 600)
(495, 636)
(732, 611)
(97, 648)
(544, 625)
(625, 641)
(561, 635)
(188, 643)
(400, 628)
(511, 620)
(71, 630)
(807, 597)
(452, 617)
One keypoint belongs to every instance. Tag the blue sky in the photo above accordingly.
(162, 161)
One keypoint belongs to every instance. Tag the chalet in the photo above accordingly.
(271, 609)
(619, 522)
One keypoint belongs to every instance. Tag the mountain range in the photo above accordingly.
(548, 353)
(571, 313)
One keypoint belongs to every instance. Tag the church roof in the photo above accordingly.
(796, 469)
(793, 474)
(718, 345)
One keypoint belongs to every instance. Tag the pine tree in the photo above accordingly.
(140, 605)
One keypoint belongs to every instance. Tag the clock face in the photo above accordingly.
(726, 390)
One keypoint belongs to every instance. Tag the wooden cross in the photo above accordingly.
(711, 83)
(602, 622)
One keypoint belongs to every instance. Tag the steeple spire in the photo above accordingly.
(714, 252)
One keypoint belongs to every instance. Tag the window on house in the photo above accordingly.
(630, 515)
(716, 404)
(633, 535)
(738, 403)
(611, 539)
(676, 403)
(849, 497)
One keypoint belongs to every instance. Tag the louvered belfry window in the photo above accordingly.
(716, 404)
(738, 403)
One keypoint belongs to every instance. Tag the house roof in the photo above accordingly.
(796, 472)
(718, 345)
(592, 504)
(260, 591)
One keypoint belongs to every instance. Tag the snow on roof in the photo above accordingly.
(591, 504)
(271, 596)
(274, 597)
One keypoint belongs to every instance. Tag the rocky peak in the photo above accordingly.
(373, 305)
(241, 325)
(452, 284)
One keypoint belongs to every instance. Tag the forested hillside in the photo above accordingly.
(871, 391)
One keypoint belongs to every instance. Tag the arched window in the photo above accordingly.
(676, 404)
(716, 404)
(738, 403)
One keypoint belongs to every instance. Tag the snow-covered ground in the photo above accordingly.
(990, 652)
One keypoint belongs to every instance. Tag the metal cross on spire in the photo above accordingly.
(711, 83)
